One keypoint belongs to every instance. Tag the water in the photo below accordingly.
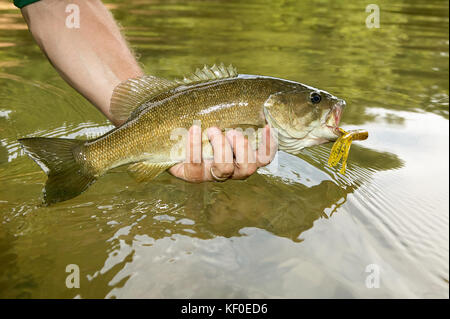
(302, 230)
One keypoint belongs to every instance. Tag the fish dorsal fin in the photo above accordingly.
(209, 73)
(128, 95)
(146, 171)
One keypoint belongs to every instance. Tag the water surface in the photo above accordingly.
(299, 229)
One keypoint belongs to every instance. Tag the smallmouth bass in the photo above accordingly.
(153, 108)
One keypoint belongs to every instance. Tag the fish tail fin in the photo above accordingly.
(66, 176)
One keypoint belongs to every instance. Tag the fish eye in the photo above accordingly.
(315, 97)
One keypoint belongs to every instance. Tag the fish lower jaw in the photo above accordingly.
(335, 129)
(293, 145)
(325, 133)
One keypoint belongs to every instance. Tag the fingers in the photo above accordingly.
(268, 147)
(194, 145)
(233, 155)
(222, 167)
(194, 169)
(245, 160)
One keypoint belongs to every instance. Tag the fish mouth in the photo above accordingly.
(334, 117)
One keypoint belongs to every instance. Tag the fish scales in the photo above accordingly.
(223, 103)
(152, 109)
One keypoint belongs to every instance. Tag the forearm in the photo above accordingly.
(94, 58)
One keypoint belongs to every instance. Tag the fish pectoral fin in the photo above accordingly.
(146, 171)
(130, 94)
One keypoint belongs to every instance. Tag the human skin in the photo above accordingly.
(95, 58)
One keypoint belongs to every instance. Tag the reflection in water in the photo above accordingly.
(3, 155)
(3, 151)
(299, 229)
(215, 212)
(127, 219)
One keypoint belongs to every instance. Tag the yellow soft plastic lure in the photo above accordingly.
(341, 147)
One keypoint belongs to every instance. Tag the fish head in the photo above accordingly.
(304, 116)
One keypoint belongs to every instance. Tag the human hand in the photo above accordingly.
(233, 156)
